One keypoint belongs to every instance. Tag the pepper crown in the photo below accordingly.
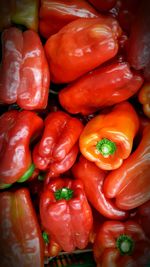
(125, 244)
(63, 193)
(106, 147)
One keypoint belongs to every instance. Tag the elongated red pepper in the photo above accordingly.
(58, 148)
(24, 73)
(107, 139)
(144, 98)
(21, 241)
(24, 12)
(93, 179)
(121, 244)
(66, 214)
(55, 14)
(81, 46)
(100, 88)
(139, 41)
(17, 128)
(129, 184)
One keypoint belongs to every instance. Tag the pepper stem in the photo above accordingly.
(106, 147)
(63, 193)
(45, 237)
(125, 244)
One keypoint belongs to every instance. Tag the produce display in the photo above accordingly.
(75, 133)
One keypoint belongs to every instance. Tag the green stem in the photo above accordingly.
(63, 193)
(45, 237)
(27, 174)
(125, 244)
(106, 147)
(4, 186)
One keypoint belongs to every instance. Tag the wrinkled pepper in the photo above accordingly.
(139, 40)
(24, 12)
(81, 46)
(55, 14)
(24, 73)
(103, 5)
(107, 139)
(144, 98)
(57, 150)
(100, 88)
(21, 241)
(17, 130)
(66, 214)
(93, 179)
(129, 184)
(121, 244)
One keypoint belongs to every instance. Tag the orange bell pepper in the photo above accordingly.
(144, 98)
(108, 138)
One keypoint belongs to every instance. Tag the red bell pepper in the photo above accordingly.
(17, 129)
(58, 148)
(66, 214)
(121, 244)
(144, 98)
(103, 5)
(24, 73)
(55, 14)
(81, 46)
(139, 41)
(24, 12)
(100, 88)
(107, 139)
(129, 184)
(21, 241)
(93, 179)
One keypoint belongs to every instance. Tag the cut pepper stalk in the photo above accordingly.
(125, 244)
(63, 193)
(106, 147)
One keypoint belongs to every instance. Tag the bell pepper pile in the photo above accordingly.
(75, 131)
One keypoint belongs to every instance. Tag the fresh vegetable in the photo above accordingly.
(66, 214)
(121, 244)
(129, 184)
(81, 46)
(107, 139)
(21, 241)
(55, 14)
(93, 179)
(17, 129)
(102, 87)
(58, 148)
(144, 98)
(24, 72)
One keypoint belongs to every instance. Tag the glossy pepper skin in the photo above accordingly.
(66, 214)
(58, 148)
(129, 184)
(107, 139)
(24, 73)
(21, 241)
(100, 88)
(121, 244)
(17, 129)
(24, 12)
(144, 98)
(54, 15)
(93, 180)
(81, 46)
(139, 41)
